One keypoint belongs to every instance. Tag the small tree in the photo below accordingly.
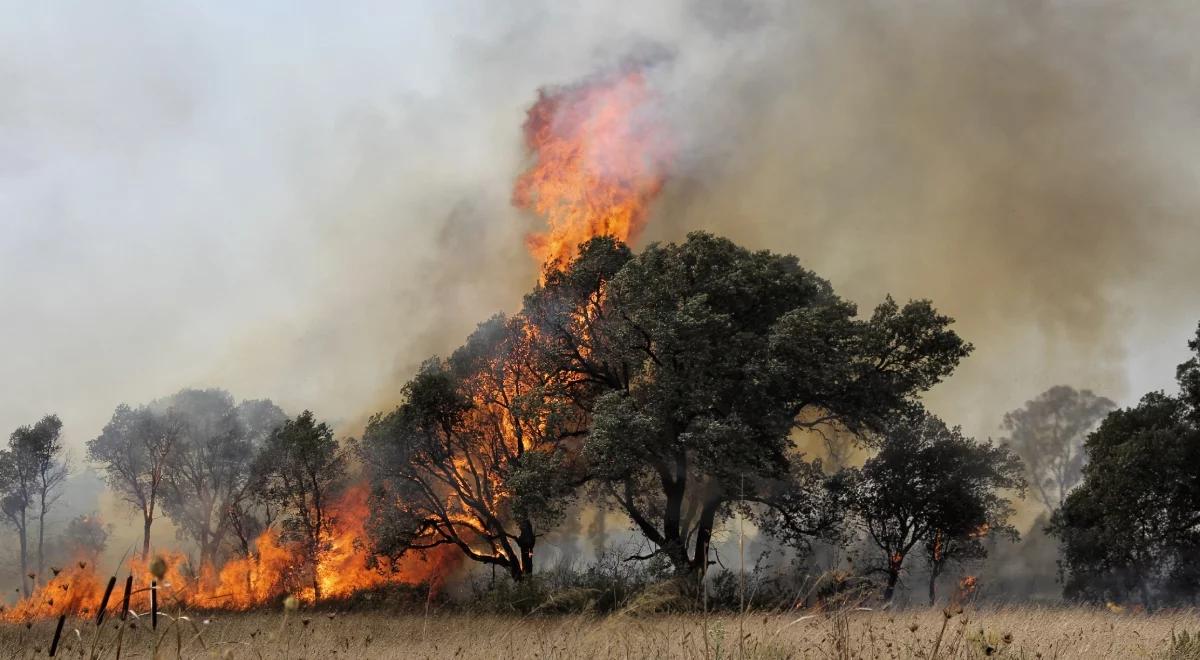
(302, 469)
(1048, 434)
(134, 449)
(16, 482)
(249, 513)
(86, 536)
(209, 471)
(929, 484)
(35, 468)
(476, 456)
(43, 445)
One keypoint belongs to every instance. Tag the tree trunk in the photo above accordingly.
(1145, 589)
(933, 576)
(674, 546)
(704, 529)
(146, 520)
(514, 569)
(890, 590)
(41, 557)
(22, 533)
(525, 542)
(314, 554)
(207, 560)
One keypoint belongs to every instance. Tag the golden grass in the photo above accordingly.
(1016, 632)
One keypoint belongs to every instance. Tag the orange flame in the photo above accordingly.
(601, 156)
(966, 586)
(345, 566)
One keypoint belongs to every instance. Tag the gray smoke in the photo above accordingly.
(304, 203)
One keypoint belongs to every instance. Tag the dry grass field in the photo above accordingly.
(1018, 632)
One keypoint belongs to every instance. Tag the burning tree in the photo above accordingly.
(302, 468)
(695, 362)
(1048, 435)
(930, 485)
(208, 477)
(477, 456)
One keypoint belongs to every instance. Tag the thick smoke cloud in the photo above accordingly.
(303, 202)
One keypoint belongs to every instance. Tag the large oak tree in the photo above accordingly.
(696, 361)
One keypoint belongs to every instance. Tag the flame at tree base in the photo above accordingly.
(276, 569)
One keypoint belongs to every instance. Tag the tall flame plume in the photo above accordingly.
(600, 156)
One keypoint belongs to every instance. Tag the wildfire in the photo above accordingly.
(601, 156)
(277, 568)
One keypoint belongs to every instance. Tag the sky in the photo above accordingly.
(302, 201)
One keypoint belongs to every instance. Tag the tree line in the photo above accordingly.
(669, 386)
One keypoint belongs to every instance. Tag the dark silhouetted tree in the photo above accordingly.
(695, 362)
(929, 484)
(134, 449)
(302, 469)
(1132, 527)
(1048, 434)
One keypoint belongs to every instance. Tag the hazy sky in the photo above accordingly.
(302, 201)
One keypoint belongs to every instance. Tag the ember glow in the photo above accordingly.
(275, 569)
(600, 158)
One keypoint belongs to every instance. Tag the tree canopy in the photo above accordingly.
(1133, 525)
(703, 355)
(33, 469)
(476, 454)
(930, 487)
(303, 468)
(1048, 434)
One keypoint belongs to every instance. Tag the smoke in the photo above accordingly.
(1028, 166)
(304, 203)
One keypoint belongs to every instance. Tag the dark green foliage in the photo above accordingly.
(929, 486)
(1133, 527)
(302, 469)
(671, 380)
(696, 360)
